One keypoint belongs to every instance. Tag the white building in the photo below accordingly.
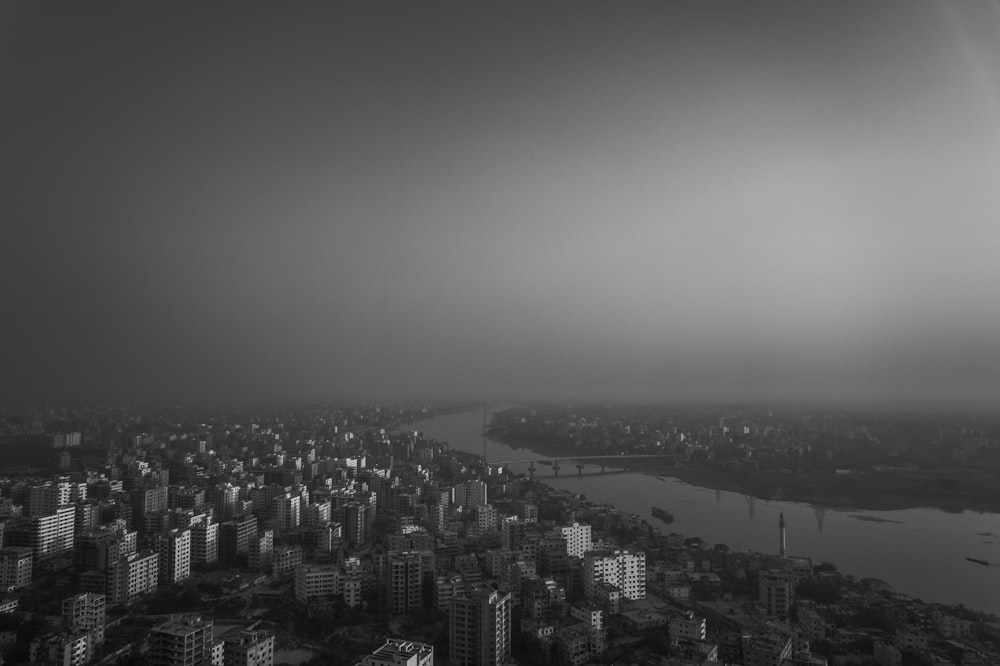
(578, 538)
(132, 576)
(621, 568)
(174, 549)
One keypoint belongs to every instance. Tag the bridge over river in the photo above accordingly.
(607, 460)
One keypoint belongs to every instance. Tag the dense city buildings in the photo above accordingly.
(315, 529)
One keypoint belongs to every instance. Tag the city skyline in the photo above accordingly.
(691, 200)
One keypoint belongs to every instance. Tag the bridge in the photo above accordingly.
(579, 461)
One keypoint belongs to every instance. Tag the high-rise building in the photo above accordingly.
(234, 538)
(15, 568)
(487, 518)
(248, 647)
(227, 498)
(147, 501)
(88, 516)
(318, 515)
(204, 542)
(132, 576)
(354, 517)
(43, 500)
(261, 553)
(85, 612)
(181, 642)
(578, 538)
(620, 568)
(47, 535)
(174, 549)
(776, 591)
(286, 512)
(95, 551)
(479, 628)
(470, 494)
(403, 581)
(285, 560)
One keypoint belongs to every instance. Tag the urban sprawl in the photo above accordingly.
(331, 535)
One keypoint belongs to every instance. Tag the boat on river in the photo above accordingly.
(663, 515)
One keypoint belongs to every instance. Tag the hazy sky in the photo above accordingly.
(577, 199)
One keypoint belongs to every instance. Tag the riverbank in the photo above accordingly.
(869, 491)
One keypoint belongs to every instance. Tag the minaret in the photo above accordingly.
(781, 529)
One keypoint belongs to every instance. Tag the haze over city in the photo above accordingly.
(586, 200)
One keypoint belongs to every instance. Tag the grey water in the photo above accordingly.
(919, 552)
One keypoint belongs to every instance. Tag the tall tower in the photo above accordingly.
(479, 628)
(781, 530)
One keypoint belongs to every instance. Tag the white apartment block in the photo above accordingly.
(133, 576)
(53, 533)
(578, 538)
(174, 549)
(621, 568)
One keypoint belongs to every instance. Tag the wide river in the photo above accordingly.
(920, 552)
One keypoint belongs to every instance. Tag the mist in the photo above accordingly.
(569, 200)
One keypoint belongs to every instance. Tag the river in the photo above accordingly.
(919, 552)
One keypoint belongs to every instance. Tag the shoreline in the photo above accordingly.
(850, 493)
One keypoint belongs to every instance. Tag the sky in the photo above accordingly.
(520, 200)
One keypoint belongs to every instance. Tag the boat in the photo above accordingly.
(977, 561)
(663, 515)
